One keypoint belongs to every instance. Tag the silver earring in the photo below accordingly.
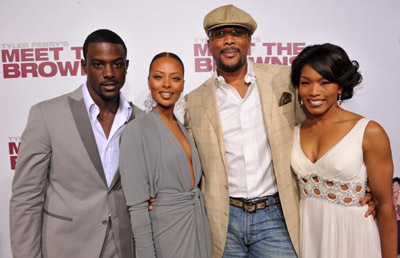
(180, 106)
(149, 103)
(340, 99)
(301, 102)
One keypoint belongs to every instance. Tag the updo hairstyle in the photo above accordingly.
(332, 63)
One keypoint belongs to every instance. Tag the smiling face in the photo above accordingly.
(106, 67)
(166, 81)
(230, 50)
(318, 94)
(395, 187)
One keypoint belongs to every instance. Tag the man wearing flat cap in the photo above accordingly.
(242, 120)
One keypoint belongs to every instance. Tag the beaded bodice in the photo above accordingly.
(333, 191)
(339, 176)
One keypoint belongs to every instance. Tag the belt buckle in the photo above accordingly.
(249, 207)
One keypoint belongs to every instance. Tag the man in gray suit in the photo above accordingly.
(67, 199)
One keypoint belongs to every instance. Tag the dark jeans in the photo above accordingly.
(398, 237)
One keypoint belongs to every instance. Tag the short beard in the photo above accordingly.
(109, 99)
(230, 68)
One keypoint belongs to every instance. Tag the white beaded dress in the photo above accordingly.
(332, 222)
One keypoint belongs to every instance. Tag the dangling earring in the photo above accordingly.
(149, 103)
(340, 99)
(180, 106)
(301, 102)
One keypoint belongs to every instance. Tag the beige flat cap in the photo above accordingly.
(229, 15)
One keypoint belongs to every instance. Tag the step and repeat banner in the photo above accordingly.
(41, 48)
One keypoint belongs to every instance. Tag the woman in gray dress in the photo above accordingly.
(159, 160)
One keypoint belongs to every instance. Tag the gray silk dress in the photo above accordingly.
(153, 163)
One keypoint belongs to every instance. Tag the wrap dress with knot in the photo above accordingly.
(153, 163)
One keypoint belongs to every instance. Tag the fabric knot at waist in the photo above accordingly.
(196, 192)
(179, 198)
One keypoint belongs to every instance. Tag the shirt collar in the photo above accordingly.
(250, 77)
(93, 110)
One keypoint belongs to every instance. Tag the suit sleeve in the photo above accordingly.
(135, 178)
(187, 122)
(29, 186)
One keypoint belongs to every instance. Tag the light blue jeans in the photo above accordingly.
(259, 234)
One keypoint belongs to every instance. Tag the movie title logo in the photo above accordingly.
(40, 59)
(277, 53)
(13, 148)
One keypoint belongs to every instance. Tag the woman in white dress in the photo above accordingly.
(334, 153)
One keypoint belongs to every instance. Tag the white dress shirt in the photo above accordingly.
(248, 154)
(108, 147)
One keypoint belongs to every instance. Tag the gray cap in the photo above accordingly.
(229, 15)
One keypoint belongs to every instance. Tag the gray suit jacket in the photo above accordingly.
(281, 111)
(60, 200)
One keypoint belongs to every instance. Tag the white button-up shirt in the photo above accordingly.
(248, 154)
(108, 147)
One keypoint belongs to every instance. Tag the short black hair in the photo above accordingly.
(103, 35)
(167, 54)
(332, 63)
(396, 179)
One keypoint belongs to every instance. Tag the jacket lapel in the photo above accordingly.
(209, 97)
(81, 118)
(266, 96)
